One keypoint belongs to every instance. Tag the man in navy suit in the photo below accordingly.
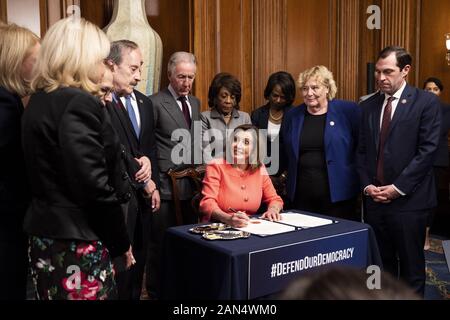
(399, 135)
(132, 117)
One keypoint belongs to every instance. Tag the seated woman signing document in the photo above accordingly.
(235, 187)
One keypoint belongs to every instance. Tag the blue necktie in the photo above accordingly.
(132, 115)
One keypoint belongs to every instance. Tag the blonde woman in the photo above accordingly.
(235, 186)
(75, 221)
(18, 51)
(320, 139)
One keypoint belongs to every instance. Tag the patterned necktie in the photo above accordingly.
(187, 115)
(386, 121)
(132, 115)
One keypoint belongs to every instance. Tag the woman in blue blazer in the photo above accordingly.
(320, 139)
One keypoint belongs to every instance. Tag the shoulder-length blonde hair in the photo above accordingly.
(70, 55)
(322, 75)
(16, 44)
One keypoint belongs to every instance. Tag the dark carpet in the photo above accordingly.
(438, 276)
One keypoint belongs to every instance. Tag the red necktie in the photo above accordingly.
(187, 115)
(386, 121)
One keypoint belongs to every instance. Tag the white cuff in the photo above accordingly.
(398, 190)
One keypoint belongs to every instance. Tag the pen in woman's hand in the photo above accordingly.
(239, 214)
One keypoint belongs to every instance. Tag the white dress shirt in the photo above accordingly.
(135, 107)
(176, 96)
(397, 95)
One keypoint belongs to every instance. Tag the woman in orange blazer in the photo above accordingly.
(235, 187)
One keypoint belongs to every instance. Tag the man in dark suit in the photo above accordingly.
(176, 117)
(132, 116)
(399, 135)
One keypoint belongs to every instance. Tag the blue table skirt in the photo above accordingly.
(195, 268)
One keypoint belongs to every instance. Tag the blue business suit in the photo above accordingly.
(409, 153)
(340, 141)
(409, 150)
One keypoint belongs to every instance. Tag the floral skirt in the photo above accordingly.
(71, 270)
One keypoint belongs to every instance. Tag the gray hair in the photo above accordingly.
(117, 47)
(179, 57)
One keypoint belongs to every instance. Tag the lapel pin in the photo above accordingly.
(140, 100)
(404, 101)
(331, 123)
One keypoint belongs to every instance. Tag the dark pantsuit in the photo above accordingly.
(401, 237)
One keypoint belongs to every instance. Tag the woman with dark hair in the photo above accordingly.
(224, 96)
(280, 94)
(433, 85)
(440, 167)
(235, 186)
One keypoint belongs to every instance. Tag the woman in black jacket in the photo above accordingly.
(18, 51)
(280, 94)
(74, 160)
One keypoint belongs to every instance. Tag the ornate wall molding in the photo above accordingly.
(399, 21)
(206, 46)
(223, 42)
(344, 44)
(3, 11)
(270, 49)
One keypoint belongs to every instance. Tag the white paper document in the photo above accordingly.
(265, 228)
(303, 220)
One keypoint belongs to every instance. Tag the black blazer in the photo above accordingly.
(409, 150)
(136, 148)
(260, 116)
(146, 144)
(442, 152)
(76, 170)
(260, 119)
(14, 190)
